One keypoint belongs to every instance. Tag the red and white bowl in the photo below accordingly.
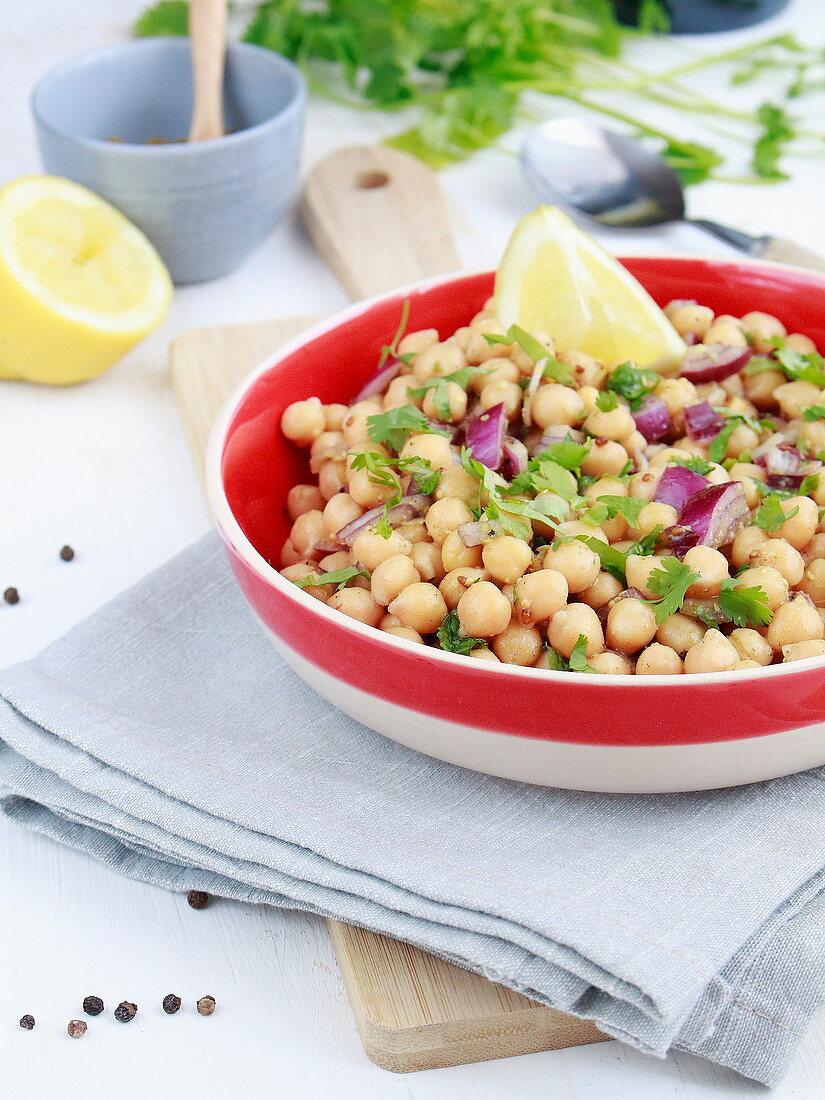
(586, 732)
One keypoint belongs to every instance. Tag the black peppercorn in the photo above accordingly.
(198, 899)
(171, 1003)
(76, 1028)
(125, 1012)
(66, 553)
(93, 1006)
(27, 1022)
(207, 1005)
(11, 595)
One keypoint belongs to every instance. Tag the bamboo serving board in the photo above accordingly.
(413, 1011)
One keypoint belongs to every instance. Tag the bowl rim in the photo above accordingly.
(231, 531)
(295, 104)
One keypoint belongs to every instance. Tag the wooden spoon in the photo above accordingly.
(207, 33)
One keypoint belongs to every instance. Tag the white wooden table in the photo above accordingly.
(105, 468)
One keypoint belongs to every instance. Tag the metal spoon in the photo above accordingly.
(617, 181)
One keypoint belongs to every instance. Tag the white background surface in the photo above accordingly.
(105, 468)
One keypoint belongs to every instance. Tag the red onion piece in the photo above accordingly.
(779, 458)
(485, 436)
(677, 485)
(791, 482)
(477, 532)
(554, 433)
(653, 419)
(515, 458)
(691, 338)
(409, 507)
(703, 422)
(379, 382)
(712, 517)
(713, 362)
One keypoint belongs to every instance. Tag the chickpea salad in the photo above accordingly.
(493, 496)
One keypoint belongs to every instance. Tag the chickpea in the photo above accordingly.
(327, 445)
(586, 370)
(763, 328)
(770, 580)
(676, 393)
(655, 514)
(732, 386)
(498, 369)
(482, 653)
(437, 360)
(483, 611)
(506, 558)
(617, 424)
(340, 510)
(404, 632)
(523, 361)
(435, 449)
(795, 621)
(426, 557)
(334, 416)
(303, 498)
(476, 347)
(419, 606)
(813, 581)
(444, 516)
(307, 530)
(714, 653)
(397, 394)
(797, 342)
(575, 527)
(659, 660)
(601, 591)
(354, 426)
(456, 482)
(761, 388)
(370, 549)
(299, 570)
(712, 567)
(339, 560)
(667, 455)
(688, 317)
(456, 400)
(332, 478)
(606, 457)
(358, 604)
(782, 557)
(748, 540)
(518, 644)
(303, 421)
(798, 529)
(751, 646)
(799, 651)
(679, 632)
(608, 663)
(813, 433)
(413, 531)
(503, 393)
(644, 485)
(638, 569)
(416, 342)
(366, 492)
(454, 554)
(747, 474)
(726, 330)
(577, 563)
(815, 549)
(289, 555)
(539, 595)
(391, 576)
(745, 664)
(568, 624)
(554, 403)
(793, 397)
(458, 581)
(630, 625)
(742, 438)
(606, 486)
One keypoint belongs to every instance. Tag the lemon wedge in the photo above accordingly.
(556, 279)
(79, 283)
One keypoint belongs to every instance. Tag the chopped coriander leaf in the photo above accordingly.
(769, 515)
(379, 469)
(670, 582)
(441, 394)
(613, 561)
(797, 366)
(628, 507)
(517, 335)
(544, 474)
(392, 427)
(633, 383)
(647, 543)
(607, 401)
(744, 606)
(382, 471)
(814, 412)
(578, 657)
(338, 577)
(810, 484)
(596, 514)
(452, 640)
(392, 347)
(383, 527)
(719, 444)
(567, 453)
(697, 464)
(555, 661)
(505, 508)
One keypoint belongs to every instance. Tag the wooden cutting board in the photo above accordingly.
(379, 219)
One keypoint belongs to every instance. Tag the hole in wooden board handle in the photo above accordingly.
(369, 181)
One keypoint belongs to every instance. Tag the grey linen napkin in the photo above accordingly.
(165, 737)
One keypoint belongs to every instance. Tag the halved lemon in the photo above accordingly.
(79, 283)
(556, 279)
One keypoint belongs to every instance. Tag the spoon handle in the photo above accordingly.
(207, 33)
(767, 248)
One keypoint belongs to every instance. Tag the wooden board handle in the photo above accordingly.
(786, 252)
(207, 32)
(379, 219)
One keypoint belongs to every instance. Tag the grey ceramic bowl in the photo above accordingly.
(204, 206)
